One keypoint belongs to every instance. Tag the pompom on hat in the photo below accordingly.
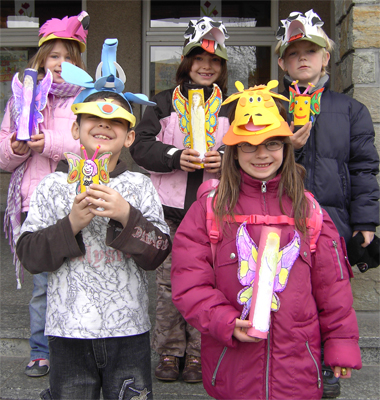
(69, 28)
(257, 117)
(208, 34)
(106, 80)
(300, 27)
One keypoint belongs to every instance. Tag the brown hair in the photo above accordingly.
(183, 71)
(291, 183)
(38, 60)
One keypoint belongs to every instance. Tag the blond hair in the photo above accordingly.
(328, 49)
(37, 62)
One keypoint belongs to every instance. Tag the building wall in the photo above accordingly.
(121, 20)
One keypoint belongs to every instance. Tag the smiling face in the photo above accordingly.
(54, 60)
(303, 61)
(262, 164)
(110, 134)
(206, 69)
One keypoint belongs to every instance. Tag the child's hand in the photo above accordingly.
(343, 373)
(368, 237)
(212, 161)
(189, 156)
(80, 215)
(240, 331)
(113, 205)
(18, 147)
(300, 137)
(37, 143)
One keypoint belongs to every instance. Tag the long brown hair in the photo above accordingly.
(291, 184)
(183, 71)
(38, 60)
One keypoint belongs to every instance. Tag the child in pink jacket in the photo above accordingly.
(30, 161)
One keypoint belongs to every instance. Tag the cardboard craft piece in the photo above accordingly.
(87, 171)
(261, 288)
(30, 99)
(198, 138)
(304, 106)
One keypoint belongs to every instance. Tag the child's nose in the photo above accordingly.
(104, 123)
(261, 150)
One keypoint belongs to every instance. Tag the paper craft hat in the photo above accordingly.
(106, 80)
(363, 257)
(300, 27)
(208, 34)
(70, 28)
(256, 117)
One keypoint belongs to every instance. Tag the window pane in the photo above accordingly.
(250, 65)
(12, 60)
(233, 13)
(247, 64)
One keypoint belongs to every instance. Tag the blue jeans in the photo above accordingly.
(119, 366)
(37, 311)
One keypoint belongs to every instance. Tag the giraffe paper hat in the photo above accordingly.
(256, 117)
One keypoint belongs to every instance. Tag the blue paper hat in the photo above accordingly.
(105, 77)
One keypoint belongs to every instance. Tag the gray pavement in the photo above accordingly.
(14, 348)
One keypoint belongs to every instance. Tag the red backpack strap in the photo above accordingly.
(314, 224)
(208, 188)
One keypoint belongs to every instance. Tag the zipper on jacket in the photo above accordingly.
(217, 366)
(316, 365)
(264, 190)
(335, 244)
(267, 369)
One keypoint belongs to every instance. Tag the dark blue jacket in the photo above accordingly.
(342, 162)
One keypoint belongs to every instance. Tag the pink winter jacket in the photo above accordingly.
(315, 307)
(58, 140)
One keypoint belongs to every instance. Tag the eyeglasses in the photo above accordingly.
(272, 145)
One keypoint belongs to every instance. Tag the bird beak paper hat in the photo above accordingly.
(70, 28)
(300, 27)
(256, 117)
(105, 81)
(208, 34)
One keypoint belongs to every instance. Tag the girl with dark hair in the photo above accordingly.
(163, 147)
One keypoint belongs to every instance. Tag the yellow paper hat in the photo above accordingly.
(257, 117)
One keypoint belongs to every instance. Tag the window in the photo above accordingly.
(251, 27)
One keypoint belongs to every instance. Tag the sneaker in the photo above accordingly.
(192, 372)
(331, 384)
(168, 368)
(37, 368)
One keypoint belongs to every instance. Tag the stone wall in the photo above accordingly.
(356, 70)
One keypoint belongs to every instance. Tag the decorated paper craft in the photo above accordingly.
(256, 117)
(304, 106)
(29, 100)
(268, 268)
(300, 27)
(208, 34)
(190, 114)
(85, 171)
(105, 79)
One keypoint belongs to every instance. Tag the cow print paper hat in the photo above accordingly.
(208, 34)
(300, 27)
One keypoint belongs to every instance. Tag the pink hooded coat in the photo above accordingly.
(315, 307)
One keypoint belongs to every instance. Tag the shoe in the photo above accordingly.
(192, 372)
(168, 368)
(37, 368)
(331, 384)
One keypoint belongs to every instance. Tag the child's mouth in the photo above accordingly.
(101, 137)
(261, 165)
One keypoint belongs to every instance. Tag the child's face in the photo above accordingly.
(303, 61)
(54, 60)
(262, 164)
(110, 134)
(206, 69)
